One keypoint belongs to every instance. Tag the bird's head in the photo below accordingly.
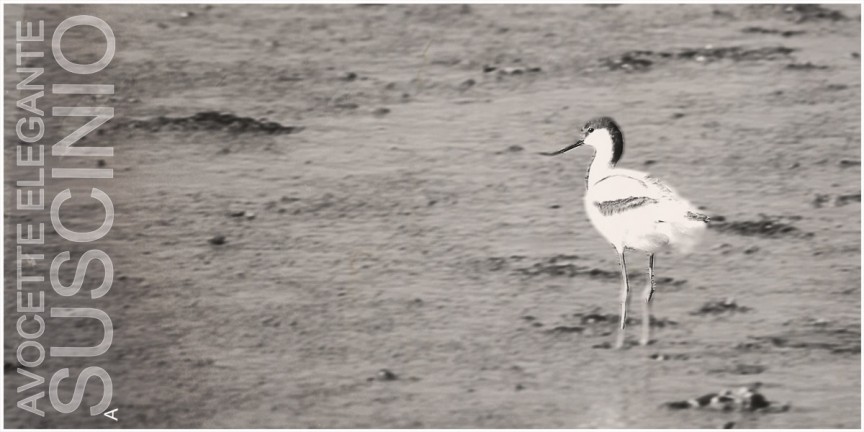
(603, 134)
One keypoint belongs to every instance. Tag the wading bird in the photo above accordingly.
(633, 210)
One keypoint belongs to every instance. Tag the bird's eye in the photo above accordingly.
(590, 130)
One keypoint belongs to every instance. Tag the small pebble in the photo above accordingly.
(467, 84)
(386, 375)
(217, 240)
(515, 148)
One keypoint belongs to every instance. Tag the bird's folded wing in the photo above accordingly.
(620, 205)
(630, 191)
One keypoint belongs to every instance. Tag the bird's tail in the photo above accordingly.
(686, 231)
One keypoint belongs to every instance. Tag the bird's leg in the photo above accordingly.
(625, 299)
(646, 308)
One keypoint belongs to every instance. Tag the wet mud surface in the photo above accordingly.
(343, 223)
(210, 121)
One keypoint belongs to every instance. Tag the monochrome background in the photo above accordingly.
(307, 196)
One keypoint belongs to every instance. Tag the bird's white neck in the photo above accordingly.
(601, 165)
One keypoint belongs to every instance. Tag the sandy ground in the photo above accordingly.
(410, 225)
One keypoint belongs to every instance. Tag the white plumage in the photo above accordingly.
(660, 221)
(633, 210)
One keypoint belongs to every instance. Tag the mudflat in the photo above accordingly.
(336, 216)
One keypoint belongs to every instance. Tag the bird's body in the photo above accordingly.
(633, 211)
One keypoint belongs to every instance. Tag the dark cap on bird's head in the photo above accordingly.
(615, 133)
(597, 124)
(601, 123)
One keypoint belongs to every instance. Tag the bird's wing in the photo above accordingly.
(628, 190)
(621, 192)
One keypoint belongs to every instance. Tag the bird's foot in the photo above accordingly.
(645, 338)
(619, 340)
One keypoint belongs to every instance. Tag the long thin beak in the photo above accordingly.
(565, 149)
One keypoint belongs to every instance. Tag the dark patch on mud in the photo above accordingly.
(784, 33)
(742, 399)
(566, 330)
(630, 61)
(838, 87)
(217, 240)
(843, 200)
(766, 226)
(667, 357)
(749, 346)
(567, 270)
(805, 66)
(642, 60)
(597, 318)
(740, 369)
(503, 71)
(562, 266)
(210, 121)
(597, 323)
(557, 265)
(810, 12)
(718, 307)
(820, 200)
(495, 264)
(835, 340)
